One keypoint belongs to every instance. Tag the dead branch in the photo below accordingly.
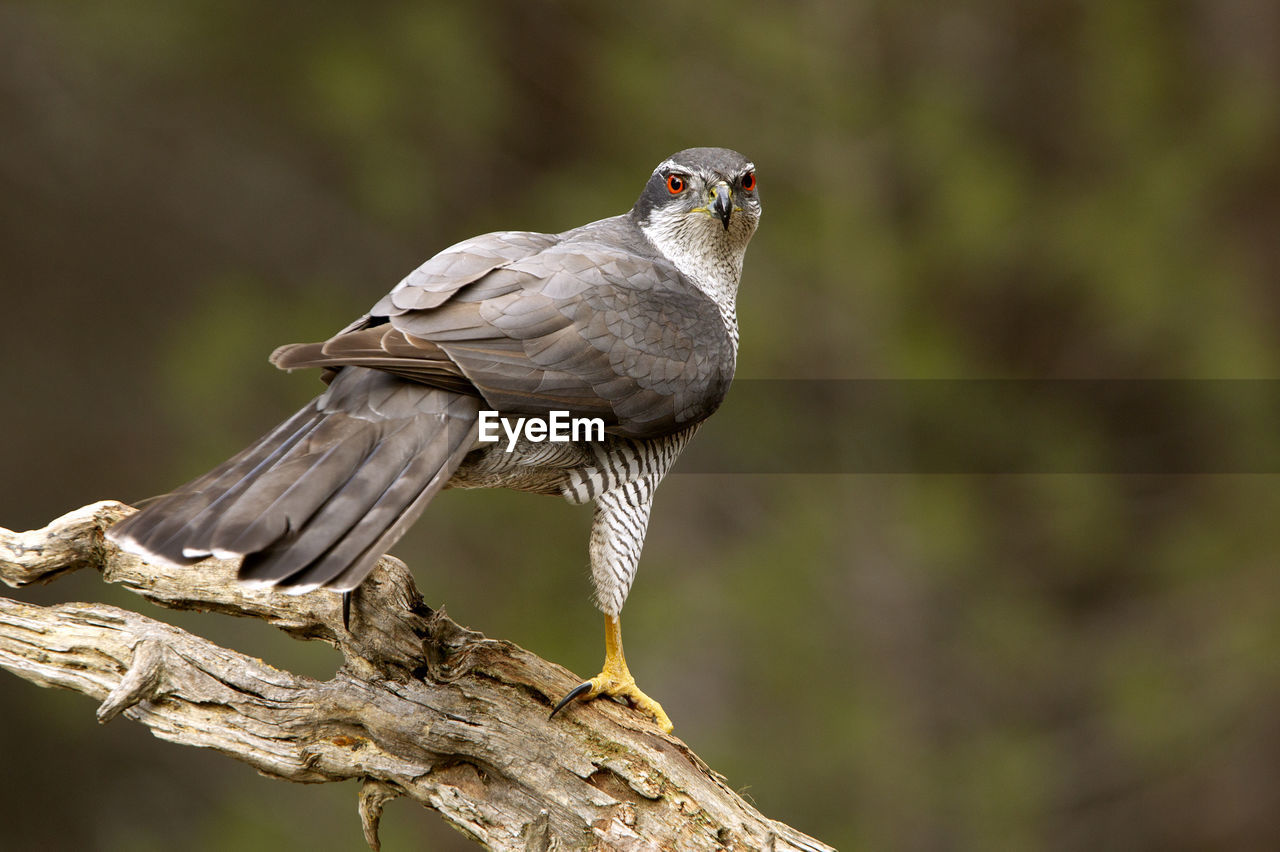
(421, 708)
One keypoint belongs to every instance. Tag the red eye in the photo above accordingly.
(749, 181)
(675, 184)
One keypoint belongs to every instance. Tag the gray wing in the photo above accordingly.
(532, 322)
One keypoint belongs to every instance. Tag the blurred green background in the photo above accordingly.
(968, 190)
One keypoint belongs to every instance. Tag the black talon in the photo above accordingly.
(574, 693)
(346, 611)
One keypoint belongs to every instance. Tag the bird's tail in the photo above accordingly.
(319, 499)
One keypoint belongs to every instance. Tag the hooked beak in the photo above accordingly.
(722, 202)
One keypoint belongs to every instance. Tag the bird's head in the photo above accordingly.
(704, 199)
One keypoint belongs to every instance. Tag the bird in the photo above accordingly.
(630, 321)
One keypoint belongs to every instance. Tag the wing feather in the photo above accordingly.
(591, 320)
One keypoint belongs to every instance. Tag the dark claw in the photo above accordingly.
(346, 611)
(576, 692)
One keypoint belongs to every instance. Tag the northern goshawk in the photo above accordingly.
(630, 319)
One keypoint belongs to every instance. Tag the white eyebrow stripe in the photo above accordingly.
(670, 163)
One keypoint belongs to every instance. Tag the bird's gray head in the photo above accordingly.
(699, 209)
(703, 193)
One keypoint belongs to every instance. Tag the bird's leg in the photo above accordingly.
(615, 679)
(617, 536)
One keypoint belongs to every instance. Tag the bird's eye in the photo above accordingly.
(749, 181)
(675, 184)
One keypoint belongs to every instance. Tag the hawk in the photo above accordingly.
(631, 319)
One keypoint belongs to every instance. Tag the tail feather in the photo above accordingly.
(282, 499)
(347, 562)
(343, 512)
(191, 536)
(288, 494)
(165, 528)
(351, 576)
(321, 497)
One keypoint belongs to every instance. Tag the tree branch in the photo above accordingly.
(421, 707)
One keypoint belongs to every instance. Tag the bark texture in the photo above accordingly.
(421, 708)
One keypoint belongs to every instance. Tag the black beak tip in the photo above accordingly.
(722, 206)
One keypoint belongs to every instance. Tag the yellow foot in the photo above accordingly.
(623, 685)
(616, 686)
(616, 681)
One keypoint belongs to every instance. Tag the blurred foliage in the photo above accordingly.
(971, 190)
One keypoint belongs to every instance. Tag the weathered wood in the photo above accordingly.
(421, 708)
